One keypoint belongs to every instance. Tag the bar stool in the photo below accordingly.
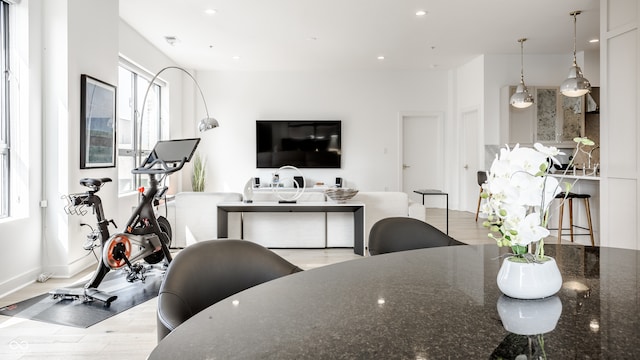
(569, 197)
(482, 178)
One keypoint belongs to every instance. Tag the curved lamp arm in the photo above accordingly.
(205, 124)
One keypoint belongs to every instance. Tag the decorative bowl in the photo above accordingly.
(340, 195)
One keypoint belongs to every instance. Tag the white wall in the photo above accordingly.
(368, 104)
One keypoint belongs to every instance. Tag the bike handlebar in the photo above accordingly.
(151, 169)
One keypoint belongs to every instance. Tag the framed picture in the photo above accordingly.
(97, 123)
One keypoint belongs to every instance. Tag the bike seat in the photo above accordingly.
(94, 183)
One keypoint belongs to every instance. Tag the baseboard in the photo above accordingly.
(18, 282)
(72, 269)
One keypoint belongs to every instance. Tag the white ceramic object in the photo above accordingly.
(529, 280)
(340, 195)
(248, 191)
(529, 317)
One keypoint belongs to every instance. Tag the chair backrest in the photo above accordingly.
(212, 270)
(404, 233)
(482, 177)
(380, 205)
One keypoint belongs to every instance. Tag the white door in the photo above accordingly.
(422, 156)
(470, 161)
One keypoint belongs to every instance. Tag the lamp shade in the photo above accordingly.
(207, 123)
(521, 98)
(576, 84)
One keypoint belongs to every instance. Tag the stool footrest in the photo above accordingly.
(569, 229)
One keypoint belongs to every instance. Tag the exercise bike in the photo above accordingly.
(145, 236)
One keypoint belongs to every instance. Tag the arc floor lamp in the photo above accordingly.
(204, 124)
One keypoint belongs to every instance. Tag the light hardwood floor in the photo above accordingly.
(132, 334)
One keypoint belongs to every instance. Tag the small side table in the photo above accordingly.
(424, 192)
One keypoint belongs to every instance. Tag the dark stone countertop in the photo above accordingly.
(424, 304)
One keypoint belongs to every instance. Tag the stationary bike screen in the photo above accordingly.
(173, 151)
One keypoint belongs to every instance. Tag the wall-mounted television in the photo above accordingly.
(299, 143)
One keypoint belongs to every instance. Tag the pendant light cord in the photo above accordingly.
(575, 14)
(521, 41)
(522, 60)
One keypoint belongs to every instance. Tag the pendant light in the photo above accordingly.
(576, 84)
(521, 98)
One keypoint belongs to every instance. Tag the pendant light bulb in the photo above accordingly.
(521, 98)
(576, 84)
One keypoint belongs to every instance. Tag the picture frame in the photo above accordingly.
(97, 123)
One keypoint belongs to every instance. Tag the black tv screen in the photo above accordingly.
(299, 143)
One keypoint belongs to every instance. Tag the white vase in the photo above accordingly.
(248, 191)
(529, 280)
(529, 317)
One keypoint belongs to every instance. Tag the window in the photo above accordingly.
(132, 86)
(4, 111)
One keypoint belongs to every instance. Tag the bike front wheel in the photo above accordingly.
(165, 227)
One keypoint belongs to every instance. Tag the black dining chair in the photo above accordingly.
(209, 271)
(404, 233)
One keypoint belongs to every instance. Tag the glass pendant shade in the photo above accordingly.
(521, 98)
(576, 84)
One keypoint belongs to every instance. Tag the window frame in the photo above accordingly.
(5, 111)
(136, 96)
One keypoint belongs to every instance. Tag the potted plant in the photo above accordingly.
(198, 177)
(519, 192)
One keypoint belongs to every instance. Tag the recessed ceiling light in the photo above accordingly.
(594, 40)
(236, 57)
(210, 11)
(380, 57)
(421, 13)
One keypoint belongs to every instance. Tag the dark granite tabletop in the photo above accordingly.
(439, 303)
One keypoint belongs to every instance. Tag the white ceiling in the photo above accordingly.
(351, 34)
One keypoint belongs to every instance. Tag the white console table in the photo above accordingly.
(224, 208)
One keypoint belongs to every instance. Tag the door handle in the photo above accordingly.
(466, 167)
(405, 166)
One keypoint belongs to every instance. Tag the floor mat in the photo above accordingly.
(80, 314)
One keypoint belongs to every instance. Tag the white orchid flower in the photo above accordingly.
(529, 230)
(551, 151)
